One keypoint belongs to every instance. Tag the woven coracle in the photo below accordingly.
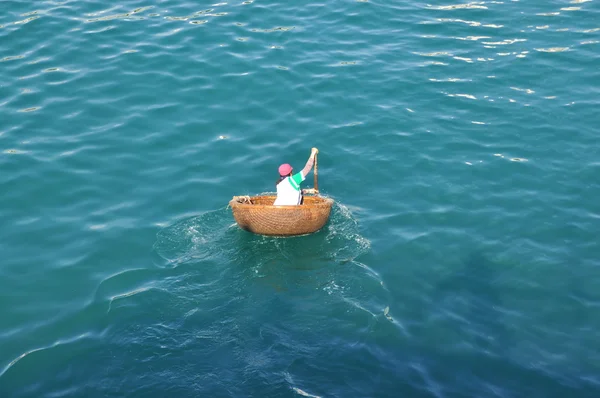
(258, 215)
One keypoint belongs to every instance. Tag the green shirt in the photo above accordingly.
(295, 181)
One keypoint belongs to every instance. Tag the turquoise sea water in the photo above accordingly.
(458, 140)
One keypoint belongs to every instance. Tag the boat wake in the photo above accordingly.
(215, 235)
(195, 238)
(325, 263)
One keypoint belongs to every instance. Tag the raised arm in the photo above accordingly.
(310, 162)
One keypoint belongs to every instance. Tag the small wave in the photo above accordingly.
(343, 233)
(290, 380)
(552, 49)
(125, 15)
(194, 238)
(472, 5)
(46, 350)
(304, 393)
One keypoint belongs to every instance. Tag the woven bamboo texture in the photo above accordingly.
(258, 215)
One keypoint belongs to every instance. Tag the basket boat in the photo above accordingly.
(258, 215)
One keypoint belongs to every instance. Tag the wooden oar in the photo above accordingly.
(316, 173)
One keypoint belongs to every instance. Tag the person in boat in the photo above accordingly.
(288, 184)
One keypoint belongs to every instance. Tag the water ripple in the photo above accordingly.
(458, 136)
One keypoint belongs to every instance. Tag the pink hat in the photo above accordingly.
(285, 169)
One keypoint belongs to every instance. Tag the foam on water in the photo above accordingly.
(310, 260)
(215, 234)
